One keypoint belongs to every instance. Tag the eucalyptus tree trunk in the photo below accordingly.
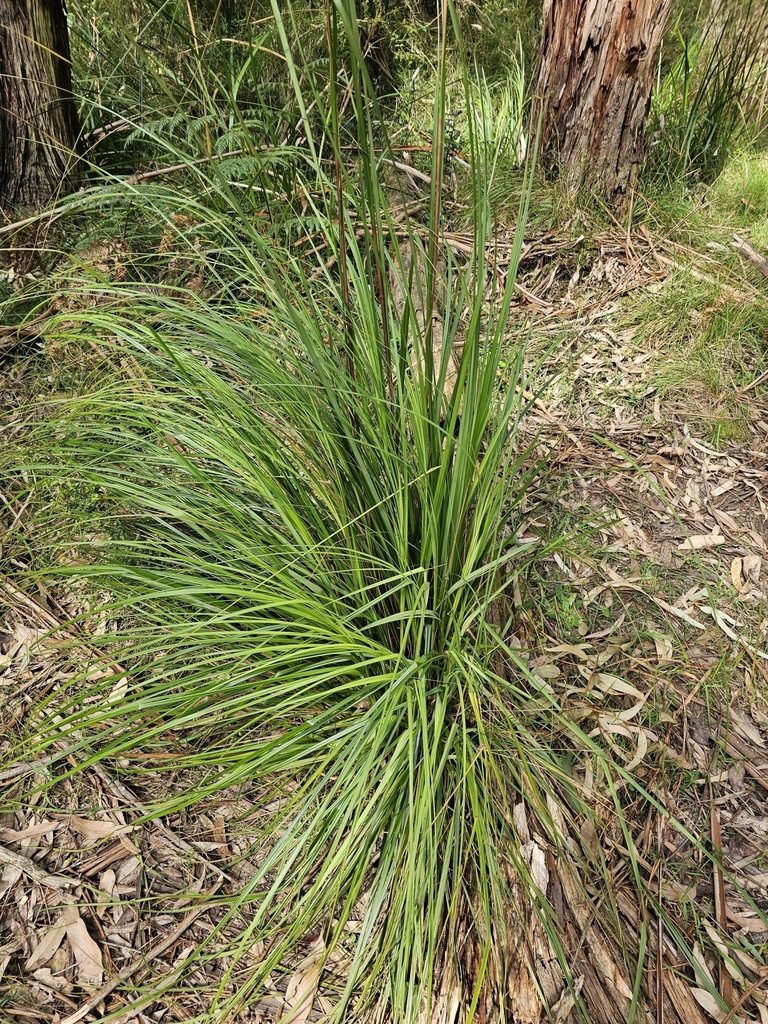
(38, 118)
(598, 63)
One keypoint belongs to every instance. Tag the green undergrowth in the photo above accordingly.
(314, 533)
(706, 341)
(710, 95)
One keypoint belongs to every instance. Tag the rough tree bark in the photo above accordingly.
(38, 118)
(598, 62)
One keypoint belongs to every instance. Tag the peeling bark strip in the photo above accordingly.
(38, 119)
(598, 62)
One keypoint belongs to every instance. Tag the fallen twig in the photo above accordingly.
(135, 179)
(754, 257)
(31, 870)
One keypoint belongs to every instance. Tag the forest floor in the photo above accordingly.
(653, 418)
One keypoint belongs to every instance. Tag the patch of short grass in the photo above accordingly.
(709, 345)
(740, 194)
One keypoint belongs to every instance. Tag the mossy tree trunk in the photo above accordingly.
(598, 63)
(38, 117)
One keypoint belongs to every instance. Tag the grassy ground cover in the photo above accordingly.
(385, 589)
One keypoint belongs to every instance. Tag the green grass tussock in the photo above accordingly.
(307, 537)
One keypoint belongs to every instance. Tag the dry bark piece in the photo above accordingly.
(25, 866)
(599, 954)
(562, 1008)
